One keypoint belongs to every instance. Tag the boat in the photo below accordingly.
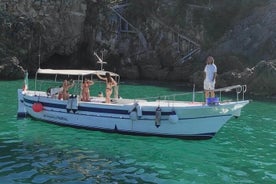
(164, 116)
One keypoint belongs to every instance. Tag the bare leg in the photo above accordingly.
(207, 94)
(88, 96)
(83, 96)
(108, 94)
(212, 94)
(65, 96)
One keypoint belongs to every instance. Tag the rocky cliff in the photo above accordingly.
(142, 39)
(39, 30)
(246, 52)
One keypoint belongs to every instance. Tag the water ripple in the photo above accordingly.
(31, 151)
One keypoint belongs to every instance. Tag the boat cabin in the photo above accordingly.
(52, 82)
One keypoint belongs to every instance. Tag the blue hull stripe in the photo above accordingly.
(118, 112)
(152, 113)
(102, 110)
(58, 106)
(94, 109)
(81, 108)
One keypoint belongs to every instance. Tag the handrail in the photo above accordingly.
(242, 89)
(225, 89)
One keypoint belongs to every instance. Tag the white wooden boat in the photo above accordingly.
(166, 118)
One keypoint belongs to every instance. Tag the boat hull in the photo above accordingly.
(179, 120)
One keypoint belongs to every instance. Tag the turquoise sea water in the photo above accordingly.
(31, 151)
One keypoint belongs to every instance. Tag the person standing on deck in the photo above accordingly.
(210, 74)
(65, 87)
(85, 89)
(110, 83)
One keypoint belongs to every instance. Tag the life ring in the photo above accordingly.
(37, 107)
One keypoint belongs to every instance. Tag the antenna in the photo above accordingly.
(100, 60)
(39, 52)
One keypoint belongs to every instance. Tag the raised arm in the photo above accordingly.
(114, 83)
(90, 82)
(72, 84)
(100, 77)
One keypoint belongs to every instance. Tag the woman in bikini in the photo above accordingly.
(110, 83)
(85, 89)
(65, 87)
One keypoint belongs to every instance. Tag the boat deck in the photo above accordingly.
(122, 101)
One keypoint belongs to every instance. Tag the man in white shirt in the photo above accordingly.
(210, 72)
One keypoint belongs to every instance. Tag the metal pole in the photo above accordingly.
(39, 52)
(193, 93)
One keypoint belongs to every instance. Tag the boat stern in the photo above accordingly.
(21, 110)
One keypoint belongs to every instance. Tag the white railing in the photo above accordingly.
(239, 89)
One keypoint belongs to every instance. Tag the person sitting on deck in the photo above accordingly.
(54, 92)
(65, 87)
(85, 89)
(110, 83)
(100, 94)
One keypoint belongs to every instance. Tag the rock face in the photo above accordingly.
(65, 34)
(262, 79)
(259, 79)
(53, 27)
(252, 38)
(10, 68)
(246, 53)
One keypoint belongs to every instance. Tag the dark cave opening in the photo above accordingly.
(81, 59)
(57, 61)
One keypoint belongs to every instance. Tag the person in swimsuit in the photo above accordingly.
(85, 89)
(110, 83)
(65, 87)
